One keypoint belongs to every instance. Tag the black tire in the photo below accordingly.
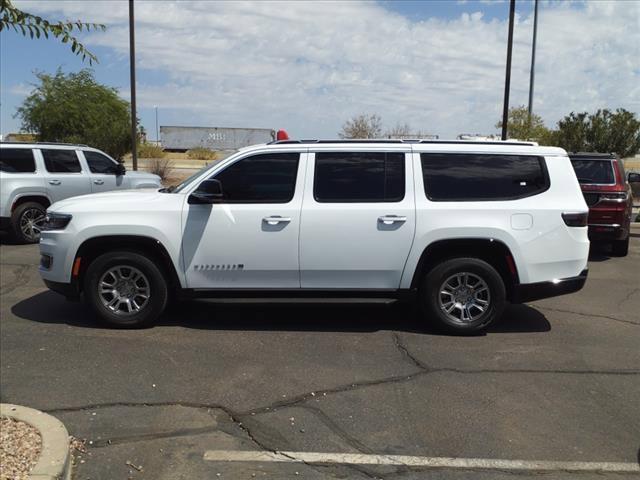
(157, 289)
(620, 248)
(478, 320)
(34, 210)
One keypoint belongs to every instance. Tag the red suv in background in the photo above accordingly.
(608, 195)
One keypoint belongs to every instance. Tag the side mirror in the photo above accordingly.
(633, 177)
(209, 191)
(120, 169)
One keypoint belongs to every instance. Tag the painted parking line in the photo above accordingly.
(415, 461)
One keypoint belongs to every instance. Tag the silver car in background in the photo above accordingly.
(36, 175)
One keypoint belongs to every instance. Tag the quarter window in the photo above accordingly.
(17, 160)
(61, 161)
(99, 163)
(469, 177)
(346, 177)
(268, 178)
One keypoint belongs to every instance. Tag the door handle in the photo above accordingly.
(390, 219)
(98, 182)
(55, 182)
(275, 219)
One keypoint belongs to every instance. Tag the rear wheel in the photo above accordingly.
(26, 222)
(125, 289)
(463, 295)
(620, 248)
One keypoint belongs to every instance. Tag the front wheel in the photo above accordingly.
(463, 295)
(125, 289)
(26, 222)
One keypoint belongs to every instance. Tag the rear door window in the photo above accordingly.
(61, 161)
(17, 160)
(366, 177)
(482, 177)
(593, 171)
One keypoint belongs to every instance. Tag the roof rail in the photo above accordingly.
(46, 143)
(379, 140)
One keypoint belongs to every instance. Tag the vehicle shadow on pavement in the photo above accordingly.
(51, 308)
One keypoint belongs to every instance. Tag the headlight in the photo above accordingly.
(55, 221)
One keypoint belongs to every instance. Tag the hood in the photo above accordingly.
(143, 175)
(119, 200)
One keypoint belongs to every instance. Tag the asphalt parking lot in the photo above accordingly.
(555, 381)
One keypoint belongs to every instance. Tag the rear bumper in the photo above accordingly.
(528, 292)
(607, 232)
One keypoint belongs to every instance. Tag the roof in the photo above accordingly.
(439, 142)
(55, 144)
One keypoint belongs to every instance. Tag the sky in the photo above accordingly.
(309, 66)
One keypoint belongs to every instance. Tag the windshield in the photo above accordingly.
(593, 171)
(182, 185)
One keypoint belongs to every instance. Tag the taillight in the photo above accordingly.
(614, 196)
(575, 219)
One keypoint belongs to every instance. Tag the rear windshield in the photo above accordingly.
(593, 171)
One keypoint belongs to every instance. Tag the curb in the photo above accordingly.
(54, 462)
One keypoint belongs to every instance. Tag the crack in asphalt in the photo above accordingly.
(337, 429)
(20, 279)
(583, 314)
(629, 295)
(404, 351)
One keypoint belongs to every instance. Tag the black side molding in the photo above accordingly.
(528, 292)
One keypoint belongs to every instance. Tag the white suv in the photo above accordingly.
(35, 175)
(462, 226)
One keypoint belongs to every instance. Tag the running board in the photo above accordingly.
(299, 301)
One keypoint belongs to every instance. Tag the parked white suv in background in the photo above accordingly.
(462, 226)
(35, 175)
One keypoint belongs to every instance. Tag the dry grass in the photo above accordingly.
(149, 150)
(201, 153)
(161, 167)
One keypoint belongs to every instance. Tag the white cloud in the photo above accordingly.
(308, 66)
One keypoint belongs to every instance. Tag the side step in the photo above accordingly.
(299, 301)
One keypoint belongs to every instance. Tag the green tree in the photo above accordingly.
(362, 126)
(522, 127)
(74, 108)
(36, 27)
(604, 131)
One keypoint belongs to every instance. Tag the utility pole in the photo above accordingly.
(507, 80)
(157, 131)
(533, 58)
(132, 66)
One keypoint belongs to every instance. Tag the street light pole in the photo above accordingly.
(132, 66)
(157, 131)
(533, 58)
(507, 80)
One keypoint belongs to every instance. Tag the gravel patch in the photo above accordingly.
(20, 445)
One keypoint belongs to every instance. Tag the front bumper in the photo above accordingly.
(528, 292)
(69, 290)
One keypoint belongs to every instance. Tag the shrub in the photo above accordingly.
(149, 150)
(161, 167)
(201, 153)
